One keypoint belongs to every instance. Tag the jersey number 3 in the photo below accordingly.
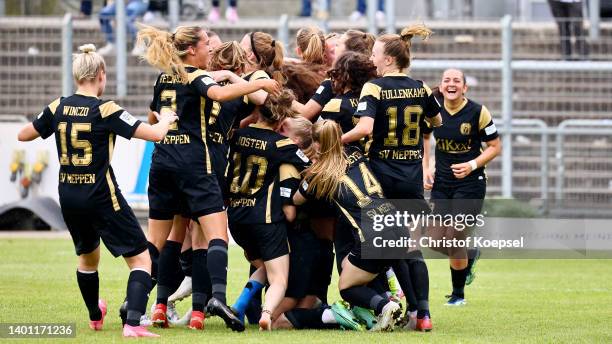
(411, 131)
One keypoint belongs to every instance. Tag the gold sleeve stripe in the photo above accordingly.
(288, 171)
(333, 105)
(195, 74)
(370, 89)
(259, 74)
(352, 221)
(283, 143)
(203, 130)
(54, 104)
(109, 180)
(485, 118)
(269, 204)
(245, 99)
(427, 89)
(109, 108)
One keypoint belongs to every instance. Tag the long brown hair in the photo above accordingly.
(269, 54)
(398, 46)
(166, 50)
(325, 174)
(229, 56)
(359, 41)
(303, 79)
(311, 42)
(351, 71)
(277, 108)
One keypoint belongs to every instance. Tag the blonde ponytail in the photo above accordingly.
(311, 42)
(166, 50)
(325, 174)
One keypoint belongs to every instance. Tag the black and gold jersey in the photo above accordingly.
(185, 146)
(399, 106)
(324, 93)
(460, 138)
(256, 156)
(85, 128)
(221, 122)
(250, 107)
(360, 196)
(341, 109)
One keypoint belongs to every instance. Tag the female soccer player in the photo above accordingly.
(393, 109)
(257, 217)
(459, 172)
(351, 40)
(231, 57)
(181, 167)
(351, 71)
(344, 177)
(92, 205)
(265, 60)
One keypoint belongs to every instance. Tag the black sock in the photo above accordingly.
(303, 318)
(200, 280)
(187, 261)
(166, 274)
(380, 284)
(89, 284)
(138, 288)
(364, 297)
(402, 272)
(154, 253)
(326, 259)
(458, 278)
(419, 276)
(217, 268)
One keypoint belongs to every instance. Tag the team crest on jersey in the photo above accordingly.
(465, 128)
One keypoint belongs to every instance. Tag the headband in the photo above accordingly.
(253, 48)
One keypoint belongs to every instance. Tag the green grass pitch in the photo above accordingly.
(511, 301)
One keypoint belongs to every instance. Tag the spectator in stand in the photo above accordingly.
(361, 10)
(86, 7)
(568, 15)
(307, 8)
(231, 13)
(133, 9)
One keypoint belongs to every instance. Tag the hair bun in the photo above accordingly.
(87, 48)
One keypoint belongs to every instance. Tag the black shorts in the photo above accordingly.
(405, 195)
(373, 266)
(119, 230)
(470, 193)
(344, 240)
(302, 262)
(169, 192)
(261, 241)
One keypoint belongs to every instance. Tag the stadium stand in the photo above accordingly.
(30, 60)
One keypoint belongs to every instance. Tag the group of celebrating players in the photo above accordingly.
(286, 153)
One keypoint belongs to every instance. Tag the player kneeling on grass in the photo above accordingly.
(92, 205)
(343, 175)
